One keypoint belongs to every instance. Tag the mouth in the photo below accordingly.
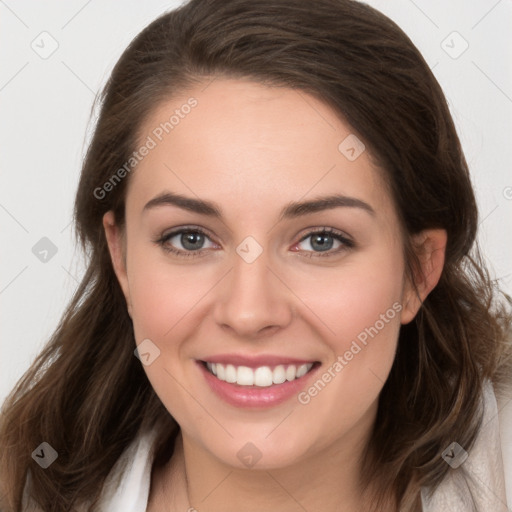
(260, 376)
(256, 383)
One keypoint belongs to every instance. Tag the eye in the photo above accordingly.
(323, 240)
(191, 240)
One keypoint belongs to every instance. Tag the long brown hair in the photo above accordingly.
(88, 396)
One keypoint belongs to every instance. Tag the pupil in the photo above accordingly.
(321, 239)
(191, 238)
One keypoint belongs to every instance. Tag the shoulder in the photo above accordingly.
(127, 487)
(477, 481)
(504, 405)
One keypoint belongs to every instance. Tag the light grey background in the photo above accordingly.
(44, 128)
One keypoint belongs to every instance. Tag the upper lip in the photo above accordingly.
(255, 361)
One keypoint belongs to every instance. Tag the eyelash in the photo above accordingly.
(337, 235)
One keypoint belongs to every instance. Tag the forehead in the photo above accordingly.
(242, 143)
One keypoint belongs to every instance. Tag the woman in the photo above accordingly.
(284, 307)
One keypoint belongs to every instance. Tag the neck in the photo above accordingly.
(328, 481)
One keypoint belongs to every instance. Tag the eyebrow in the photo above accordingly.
(290, 211)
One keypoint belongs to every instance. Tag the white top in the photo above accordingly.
(477, 485)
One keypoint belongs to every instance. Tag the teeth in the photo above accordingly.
(303, 369)
(230, 373)
(291, 372)
(221, 372)
(212, 368)
(244, 376)
(262, 376)
(279, 375)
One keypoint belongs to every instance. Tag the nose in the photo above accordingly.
(253, 301)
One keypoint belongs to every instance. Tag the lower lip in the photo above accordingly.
(255, 396)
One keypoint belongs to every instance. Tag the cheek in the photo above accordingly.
(165, 302)
(358, 308)
(354, 296)
(162, 295)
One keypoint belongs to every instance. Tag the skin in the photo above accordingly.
(252, 150)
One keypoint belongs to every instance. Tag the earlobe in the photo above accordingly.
(114, 238)
(430, 246)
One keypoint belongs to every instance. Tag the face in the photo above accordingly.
(254, 287)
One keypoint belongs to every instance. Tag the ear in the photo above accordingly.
(116, 247)
(430, 246)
